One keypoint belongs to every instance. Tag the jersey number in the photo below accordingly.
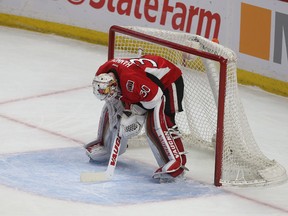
(144, 91)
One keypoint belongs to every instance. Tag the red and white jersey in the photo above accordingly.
(133, 78)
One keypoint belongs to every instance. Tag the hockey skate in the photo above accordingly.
(163, 177)
(169, 177)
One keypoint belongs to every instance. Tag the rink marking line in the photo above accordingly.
(43, 95)
(40, 129)
(36, 97)
(258, 201)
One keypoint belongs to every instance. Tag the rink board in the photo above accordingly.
(56, 174)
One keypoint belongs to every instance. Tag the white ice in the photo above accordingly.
(46, 102)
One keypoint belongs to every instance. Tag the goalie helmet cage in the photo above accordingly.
(213, 116)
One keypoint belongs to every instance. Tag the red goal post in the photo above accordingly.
(213, 117)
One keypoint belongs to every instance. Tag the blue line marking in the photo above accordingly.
(56, 174)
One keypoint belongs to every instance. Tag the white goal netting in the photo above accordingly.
(240, 161)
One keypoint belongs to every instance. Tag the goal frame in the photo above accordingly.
(222, 83)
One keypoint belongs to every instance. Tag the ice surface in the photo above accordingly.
(48, 111)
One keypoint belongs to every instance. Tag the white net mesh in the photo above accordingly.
(242, 161)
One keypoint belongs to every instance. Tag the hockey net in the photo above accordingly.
(213, 116)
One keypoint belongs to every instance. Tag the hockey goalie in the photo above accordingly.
(141, 92)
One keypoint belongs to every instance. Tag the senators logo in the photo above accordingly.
(130, 85)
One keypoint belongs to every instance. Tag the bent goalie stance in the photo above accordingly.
(146, 90)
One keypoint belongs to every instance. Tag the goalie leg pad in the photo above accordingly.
(100, 149)
(175, 133)
(109, 118)
(97, 152)
(166, 150)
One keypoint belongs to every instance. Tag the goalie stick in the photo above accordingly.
(108, 174)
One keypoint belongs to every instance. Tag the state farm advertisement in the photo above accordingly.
(199, 17)
(186, 16)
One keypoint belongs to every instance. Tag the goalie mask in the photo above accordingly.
(105, 86)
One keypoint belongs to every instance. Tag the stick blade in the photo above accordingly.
(94, 177)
